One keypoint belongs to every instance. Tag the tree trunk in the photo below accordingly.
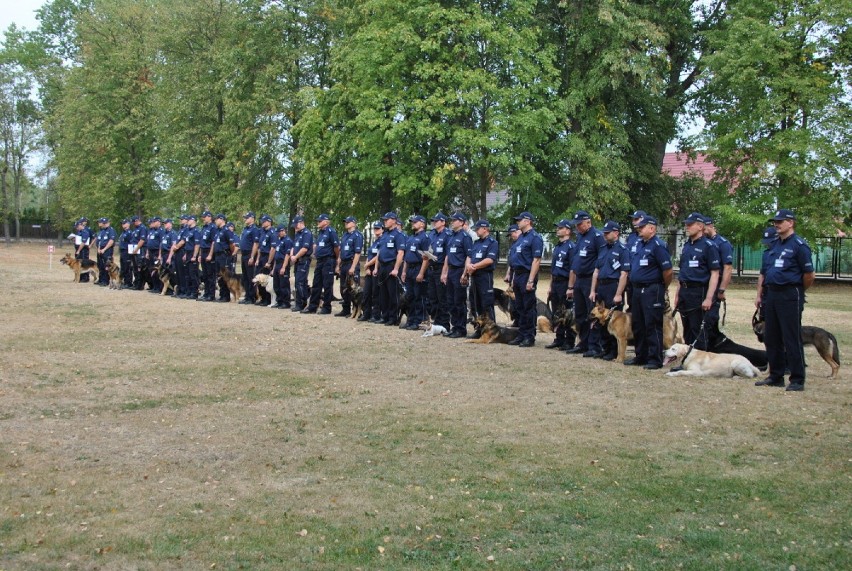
(5, 209)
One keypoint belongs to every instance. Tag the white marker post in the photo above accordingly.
(50, 252)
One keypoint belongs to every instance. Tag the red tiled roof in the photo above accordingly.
(678, 165)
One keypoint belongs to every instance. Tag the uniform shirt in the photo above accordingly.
(326, 242)
(632, 240)
(726, 250)
(249, 237)
(561, 259)
(181, 236)
(192, 237)
(267, 239)
(528, 247)
(391, 242)
(788, 260)
(459, 246)
(589, 246)
(124, 239)
(613, 259)
(374, 248)
(167, 240)
(208, 236)
(419, 241)
(105, 235)
(649, 262)
(485, 248)
(697, 260)
(438, 243)
(85, 237)
(224, 239)
(153, 241)
(282, 247)
(140, 233)
(303, 239)
(350, 244)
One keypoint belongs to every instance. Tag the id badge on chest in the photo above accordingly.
(452, 250)
(583, 253)
(643, 262)
(479, 255)
(559, 264)
(693, 263)
(779, 263)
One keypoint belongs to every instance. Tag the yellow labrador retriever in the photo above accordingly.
(704, 364)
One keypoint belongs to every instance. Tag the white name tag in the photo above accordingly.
(439, 249)
(643, 262)
(779, 263)
(412, 248)
(693, 263)
(616, 264)
(583, 253)
(346, 247)
(375, 250)
(390, 244)
(479, 254)
(452, 250)
(559, 264)
(321, 244)
(518, 249)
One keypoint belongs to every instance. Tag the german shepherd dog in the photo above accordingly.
(114, 271)
(166, 274)
(619, 326)
(80, 267)
(824, 342)
(356, 294)
(490, 332)
(505, 300)
(232, 282)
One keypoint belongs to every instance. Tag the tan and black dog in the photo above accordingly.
(490, 332)
(823, 341)
(80, 267)
(114, 271)
(166, 275)
(618, 324)
(356, 295)
(233, 283)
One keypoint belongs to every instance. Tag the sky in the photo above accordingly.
(21, 12)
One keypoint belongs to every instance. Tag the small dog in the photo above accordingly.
(80, 267)
(114, 271)
(430, 330)
(232, 282)
(490, 332)
(266, 282)
(824, 342)
(619, 326)
(357, 296)
(697, 363)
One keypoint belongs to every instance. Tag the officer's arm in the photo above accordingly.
(424, 265)
(196, 250)
(536, 264)
(727, 272)
(399, 255)
(622, 284)
(255, 253)
(337, 252)
(808, 280)
(593, 294)
(109, 245)
(271, 259)
(572, 277)
(667, 277)
(711, 287)
(759, 297)
(300, 254)
(356, 259)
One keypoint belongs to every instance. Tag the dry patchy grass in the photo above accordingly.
(143, 432)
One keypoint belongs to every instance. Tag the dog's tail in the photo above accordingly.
(835, 349)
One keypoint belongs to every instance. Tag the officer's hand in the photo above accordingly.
(444, 279)
(506, 278)
(706, 304)
(394, 273)
(592, 297)
(720, 296)
(570, 294)
(209, 258)
(352, 271)
(530, 286)
(616, 300)
(420, 278)
(281, 271)
(757, 302)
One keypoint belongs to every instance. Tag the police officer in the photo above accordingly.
(436, 291)
(249, 241)
(168, 237)
(192, 255)
(264, 259)
(152, 246)
(560, 270)
(590, 242)
(391, 252)
(300, 259)
(514, 234)
(281, 269)
(349, 263)
(650, 274)
(225, 247)
(769, 236)
(726, 258)
(124, 243)
(326, 250)
(695, 293)
(140, 235)
(459, 246)
(609, 281)
(84, 240)
(480, 271)
(208, 264)
(175, 257)
(414, 268)
(630, 244)
(527, 260)
(105, 241)
(789, 272)
(371, 312)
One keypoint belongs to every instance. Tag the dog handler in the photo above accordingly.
(349, 263)
(788, 273)
(609, 281)
(560, 270)
(527, 260)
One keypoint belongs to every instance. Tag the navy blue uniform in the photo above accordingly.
(459, 245)
(697, 260)
(371, 310)
(222, 255)
(482, 280)
(327, 245)
(612, 261)
(528, 247)
(351, 243)
(140, 233)
(85, 238)
(126, 259)
(391, 242)
(248, 238)
(560, 268)
(208, 267)
(103, 238)
(787, 262)
(303, 239)
(268, 237)
(588, 247)
(415, 292)
(436, 291)
(647, 266)
(179, 259)
(281, 281)
(192, 237)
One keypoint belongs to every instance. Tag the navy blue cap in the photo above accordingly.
(647, 219)
(281, 228)
(611, 226)
(390, 216)
(125, 221)
(206, 213)
(167, 221)
(564, 223)
(183, 216)
(134, 218)
(769, 235)
(417, 218)
(103, 220)
(638, 214)
(230, 225)
(296, 220)
(513, 228)
(266, 218)
(156, 219)
(248, 214)
(482, 224)
(783, 214)
(439, 216)
(221, 216)
(192, 217)
(350, 219)
(377, 225)
(695, 217)
(708, 219)
(580, 216)
(525, 216)
(83, 219)
(458, 216)
(322, 217)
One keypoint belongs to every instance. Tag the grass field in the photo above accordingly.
(147, 433)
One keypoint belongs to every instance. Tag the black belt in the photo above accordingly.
(607, 281)
(585, 275)
(520, 270)
(645, 284)
(559, 279)
(452, 267)
(772, 287)
(688, 285)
